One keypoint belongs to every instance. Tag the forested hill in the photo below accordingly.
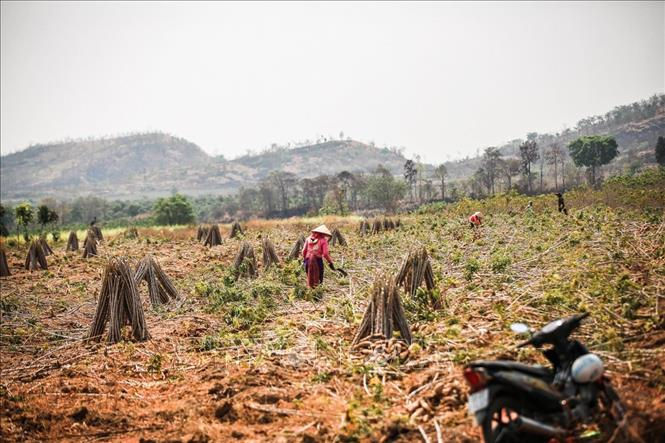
(154, 164)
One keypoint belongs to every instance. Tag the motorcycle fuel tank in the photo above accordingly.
(587, 368)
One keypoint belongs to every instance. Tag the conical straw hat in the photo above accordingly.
(323, 230)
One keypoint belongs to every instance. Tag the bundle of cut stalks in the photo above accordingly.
(201, 233)
(47, 249)
(214, 237)
(269, 253)
(296, 250)
(377, 226)
(36, 257)
(384, 314)
(415, 270)
(245, 261)
(160, 288)
(4, 266)
(90, 244)
(131, 232)
(388, 224)
(376, 348)
(236, 230)
(398, 223)
(337, 237)
(119, 304)
(98, 233)
(364, 227)
(72, 242)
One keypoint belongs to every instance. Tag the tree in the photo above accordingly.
(410, 173)
(441, 173)
(510, 168)
(24, 215)
(554, 156)
(46, 216)
(174, 210)
(529, 154)
(593, 151)
(385, 191)
(490, 162)
(660, 151)
(283, 183)
(4, 231)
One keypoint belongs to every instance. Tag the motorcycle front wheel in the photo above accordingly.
(497, 423)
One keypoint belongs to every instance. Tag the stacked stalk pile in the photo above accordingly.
(236, 230)
(377, 226)
(160, 288)
(36, 257)
(131, 233)
(90, 244)
(364, 227)
(388, 224)
(337, 237)
(245, 261)
(296, 250)
(214, 237)
(72, 242)
(4, 266)
(384, 314)
(269, 253)
(119, 304)
(415, 270)
(47, 249)
(201, 233)
(97, 232)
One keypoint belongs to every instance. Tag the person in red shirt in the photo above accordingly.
(476, 219)
(314, 251)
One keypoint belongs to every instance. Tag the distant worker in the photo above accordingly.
(529, 207)
(476, 219)
(562, 204)
(314, 251)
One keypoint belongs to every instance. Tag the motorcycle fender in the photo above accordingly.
(531, 386)
(494, 391)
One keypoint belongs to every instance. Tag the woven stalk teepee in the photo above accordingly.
(119, 304)
(269, 254)
(47, 249)
(4, 266)
(214, 237)
(98, 233)
(72, 242)
(245, 261)
(236, 230)
(416, 269)
(201, 233)
(90, 244)
(364, 227)
(296, 250)
(384, 314)
(36, 257)
(337, 238)
(160, 287)
(377, 226)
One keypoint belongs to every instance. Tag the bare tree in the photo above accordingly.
(441, 173)
(490, 162)
(554, 155)
(529, 154)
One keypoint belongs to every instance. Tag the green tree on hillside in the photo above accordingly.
(593, 151)
(45, 215)
(4, 231)
(385, 191)
(410, 173)
(660, 151)
(529, 154)
(24, 215)
(174, 210)
(441, 173)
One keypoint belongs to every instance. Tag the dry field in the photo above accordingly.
(268, 360)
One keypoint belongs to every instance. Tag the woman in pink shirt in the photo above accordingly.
(314, 251)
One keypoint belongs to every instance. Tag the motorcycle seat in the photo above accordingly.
(498, 365)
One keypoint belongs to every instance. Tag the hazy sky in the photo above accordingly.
(441, 79)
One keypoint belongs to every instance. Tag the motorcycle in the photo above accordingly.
(515, 402)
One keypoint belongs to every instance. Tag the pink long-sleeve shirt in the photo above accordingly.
(316, 247)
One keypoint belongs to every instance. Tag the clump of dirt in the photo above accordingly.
(119, 304)
(36, 257)
(160, 288)
(72, 242)
(214, 237)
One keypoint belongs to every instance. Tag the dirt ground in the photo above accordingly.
(266, 360)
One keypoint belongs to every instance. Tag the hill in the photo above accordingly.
(153, 164)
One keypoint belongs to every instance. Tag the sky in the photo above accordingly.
(441, 79)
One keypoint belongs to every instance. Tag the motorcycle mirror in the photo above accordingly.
(519, 328)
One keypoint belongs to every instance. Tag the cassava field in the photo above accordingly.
(266, 359)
